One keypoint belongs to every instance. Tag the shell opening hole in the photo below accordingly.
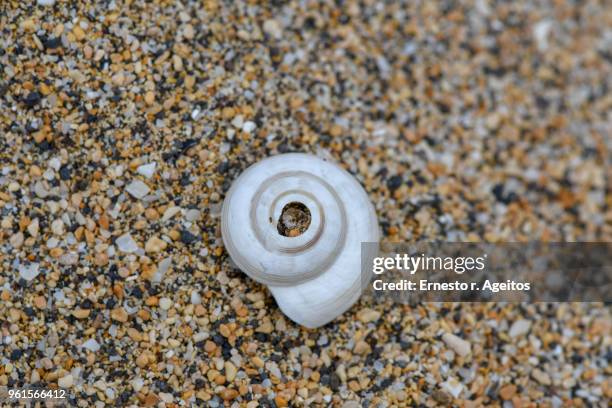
(294, 220)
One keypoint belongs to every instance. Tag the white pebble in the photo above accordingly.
(165, 303)
(273, 29)
(91, 345)
(69, 258)
(192, 215)
(540, 33)
(162, 268)
(453, 386)
(46, 2)
(138, 189)
(459, 345)
(137, 384)
(519, 328)
(52, 243)
(57, 227)
(67, 381)
(170, 212)
(33, 228)
(28, 272)
(238, 121)
(196, 299)
(248, 126)
(55, 163)
(126, 243)
(147, 170)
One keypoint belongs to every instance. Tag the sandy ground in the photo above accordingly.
(123, 124)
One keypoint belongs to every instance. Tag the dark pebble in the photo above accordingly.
(187, 237)
(16, 354)
(64, 172)
(394, 182)
(53, 42)
(32, 99)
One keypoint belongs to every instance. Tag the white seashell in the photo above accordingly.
(316, 275)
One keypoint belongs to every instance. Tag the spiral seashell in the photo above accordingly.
(295, 223)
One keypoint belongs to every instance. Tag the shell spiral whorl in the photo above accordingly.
(318, 261)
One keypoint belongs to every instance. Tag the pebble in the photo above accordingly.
(57, 227)
(147, 170)
(453, 387)
(368, 315)
(165, 303)
(33, 228)
(29, 272)
(272, 28)
(91, 345)
(119, 314)
(507, 392)
(138, 189)
(248, 126)
(16, 240)
(459, 346)
(126, 243)
(541, 377)
(195, 297)
(154, 244)
(66, 381)
(519, 328)
(192, 215)
(170, 212)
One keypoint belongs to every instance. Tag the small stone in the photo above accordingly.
(138, 189)
(69, 258)
(149, 98)
(80, 313)
(147, 170)
(40, 302)
(459, 346)
(45, 2)
(192, 215)
(33, 228)
(119, 314)
(519, 328)
(188, 31)
(540, 33)
(196, 299)
(273, 29)
(155, 244)
(453, 387)
(165, 303)
(187, 237)
(361, 347)
(248, 126)
(229, 394)
(32, 99)
(16, 240)
(91, 345)
(28, 272)
(442, 397)
(507, 392)
(66, 381)
(162, 268)
(57, 227)
(78, 33)
(230, 371)
(142, 360)
(170, 212)
(126, 244)
(541, 377)
(368, 315)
